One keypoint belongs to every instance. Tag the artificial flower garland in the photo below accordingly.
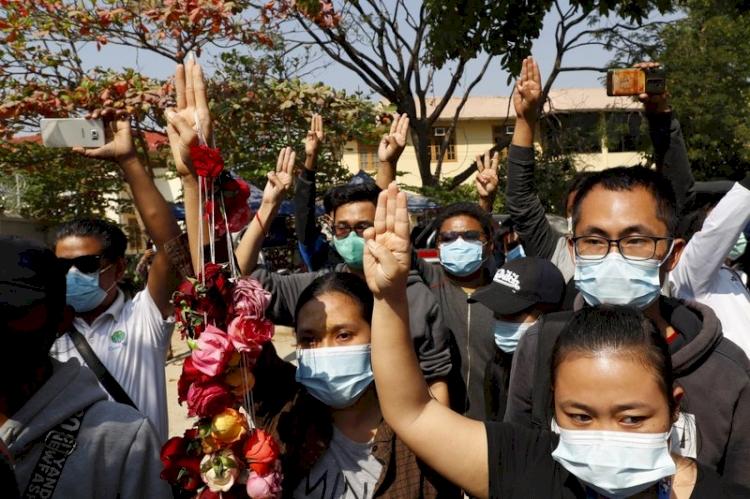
(222, 318)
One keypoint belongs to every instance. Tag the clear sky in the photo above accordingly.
(493, 83)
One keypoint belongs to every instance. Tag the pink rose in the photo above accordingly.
(213, 351)
(249, 335)
(264, 487)
(206, 399)
(249, 298)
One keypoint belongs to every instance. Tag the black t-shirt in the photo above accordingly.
(521, 466)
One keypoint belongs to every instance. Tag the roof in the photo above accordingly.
(563, 100)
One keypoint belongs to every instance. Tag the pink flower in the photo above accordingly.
(264, 487)
(249, 335)
(249, 298)
(213, 352)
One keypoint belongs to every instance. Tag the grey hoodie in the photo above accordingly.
(713, 371)
(117, 450)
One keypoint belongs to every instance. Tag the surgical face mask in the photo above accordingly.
(618, 281)
(616, 464)
(508, 334)
(351, 248)
(83, 292)
(739, 247)
(336, 376)
(516, 252)
(461, 257)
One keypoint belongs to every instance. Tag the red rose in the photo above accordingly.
(261, 451)
(189, 375)
(207, 494)
(180, 467)
(249, 335)
(207, 161)
(206, 399)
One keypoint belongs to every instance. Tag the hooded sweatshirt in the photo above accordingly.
(713, 371)
(117, 449)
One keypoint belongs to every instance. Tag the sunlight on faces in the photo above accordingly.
(617, 214)
(331, 320)
(463, 223)
(354, 213)
(610, 391)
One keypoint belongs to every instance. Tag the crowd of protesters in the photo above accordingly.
(608, 361)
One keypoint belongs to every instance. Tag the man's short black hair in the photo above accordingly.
(465, 209)
(625, 178)
(346, 194)
(575, 184)
(111, 238)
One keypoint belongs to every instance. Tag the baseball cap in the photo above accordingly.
(520, 284)
(29, 272)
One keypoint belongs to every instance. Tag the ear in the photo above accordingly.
(674, 257)
(328, 219)
(678, 393)
(120, 267)
(571, 249)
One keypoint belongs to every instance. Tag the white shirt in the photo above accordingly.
(702, 276)
(131, 339)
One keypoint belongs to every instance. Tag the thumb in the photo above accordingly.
(186, 132)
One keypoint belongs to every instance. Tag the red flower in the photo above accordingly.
(261, 450)
(206, 399)
(180, 465)
(189, 375)
(214, 349)
(207, 161)
(249, 298)
(238, 218)
(207, 494)
(249, 335)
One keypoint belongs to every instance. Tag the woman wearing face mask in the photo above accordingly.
(613, 397)
(325, 413)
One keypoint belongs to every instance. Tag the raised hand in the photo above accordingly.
(119, 138)
(487, 180)
(313, 141)
(386, 254)
(280, 180)
(528, 91)
(192, 104)
(653, 103)
(394, 143)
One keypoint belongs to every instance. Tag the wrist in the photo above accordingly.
(127, 157)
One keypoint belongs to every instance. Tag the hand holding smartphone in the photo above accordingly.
(635, 81)
(72, 132)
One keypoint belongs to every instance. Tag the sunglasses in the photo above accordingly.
(467, 235)
(88, 264)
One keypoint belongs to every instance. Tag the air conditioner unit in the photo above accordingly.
(510, 129)
(438, 131)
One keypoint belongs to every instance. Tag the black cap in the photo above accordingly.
(522, 283)
(29, 272)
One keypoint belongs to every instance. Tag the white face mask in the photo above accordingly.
(616, 464)
(508, 334)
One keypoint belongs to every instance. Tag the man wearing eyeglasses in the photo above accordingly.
(130, 337)
(623, 245)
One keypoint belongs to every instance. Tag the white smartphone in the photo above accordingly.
(72, 132)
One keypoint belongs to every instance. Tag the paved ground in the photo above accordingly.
(178, 421)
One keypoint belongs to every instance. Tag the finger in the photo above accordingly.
(189, 95)
(275, 181)
(390, 211)
(394, 123)
(480, 166)
(487, 164)
(291, 158)
(495, 161)
(384, 257)
(403, 124)
(187, 135)
(280, 160)
(312, 125)
(537, 76)
(318, 121)
(402, 217)
(525, 69)
(379, 223)
(179, 85)
(392, 141)
(199, 89)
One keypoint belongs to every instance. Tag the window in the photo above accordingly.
(438, 136)
(572, 133)
(624, 132)
(368, 158)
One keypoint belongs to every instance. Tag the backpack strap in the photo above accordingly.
(550, 327)
(59, 444)
(92, 361)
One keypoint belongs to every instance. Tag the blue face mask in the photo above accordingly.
(82, 290)
(616, 464)
(618, 281)
(336, 376)
(508, 334)
(739, 247)
(461, 258)
(516, 252)
(352, 249)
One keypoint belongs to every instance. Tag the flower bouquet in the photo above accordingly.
(221, 316)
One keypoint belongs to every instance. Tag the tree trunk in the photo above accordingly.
(421, 147)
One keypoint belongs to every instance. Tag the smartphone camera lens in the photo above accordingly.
(94, 134)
